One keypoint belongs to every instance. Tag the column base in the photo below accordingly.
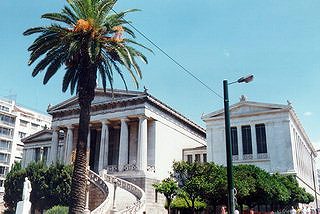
(114, 210)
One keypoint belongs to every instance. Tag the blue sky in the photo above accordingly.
(277, 41)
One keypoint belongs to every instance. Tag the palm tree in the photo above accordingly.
(86, 38)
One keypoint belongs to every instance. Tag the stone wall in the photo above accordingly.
(96, 197)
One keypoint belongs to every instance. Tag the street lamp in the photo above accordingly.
(245, 79)
(314, 181)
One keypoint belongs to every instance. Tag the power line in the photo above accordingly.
(171, 58)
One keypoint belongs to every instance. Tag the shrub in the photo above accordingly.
(58, 210)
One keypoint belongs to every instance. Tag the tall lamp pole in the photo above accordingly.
(314, 182)
(231, 205)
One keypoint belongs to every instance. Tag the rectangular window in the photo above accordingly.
(3, 158)
(189, 158)
(234, 141)
(4, 108)
(6, 132)
(261, 138)
(34, 125)
(22, 134)
(197, 158)
(38, 154)
(45, 154)
(23, 123)
(204, 158)
(7, 120)
(246, 140)
(2, 170)
(4, 144)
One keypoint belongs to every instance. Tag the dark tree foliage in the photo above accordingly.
(254, 186)
(50, 186)
(191, 179)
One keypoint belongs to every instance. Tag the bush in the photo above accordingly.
(180, 203)
(50, 185)
(58, 210)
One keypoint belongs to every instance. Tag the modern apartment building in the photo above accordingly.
(16, 122)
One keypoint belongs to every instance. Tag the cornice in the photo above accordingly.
(121, 103)
(272, 107)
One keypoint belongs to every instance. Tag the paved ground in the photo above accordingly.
(123, 198)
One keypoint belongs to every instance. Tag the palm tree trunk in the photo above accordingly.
(86, 89)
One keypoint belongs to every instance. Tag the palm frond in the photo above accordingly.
(50, 56)
(53, 68)
(59, 17)
(34, 30)
(119, 72)
(67, 11)
(126, 62)
(138, 44)
(68, 77)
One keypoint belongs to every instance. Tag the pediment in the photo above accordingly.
(43, 135)
(246, 108)
(101, 97)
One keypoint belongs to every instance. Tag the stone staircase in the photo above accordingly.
(129, 198)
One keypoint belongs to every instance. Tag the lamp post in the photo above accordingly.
(115, 183)
(314, 181)
(246, 79)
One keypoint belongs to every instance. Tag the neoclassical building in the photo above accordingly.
(269, 136)
(132, 135)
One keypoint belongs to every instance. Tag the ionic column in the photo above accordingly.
(54, 145)
(104, 145)
(240, 146)
(124, 143)
(142, 144)
(69, 143)
(254, 142)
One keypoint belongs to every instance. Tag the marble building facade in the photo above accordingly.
(269, 136)
(132, 135)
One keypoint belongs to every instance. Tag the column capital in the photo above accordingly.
(70, 127)
(55, 128)
(105, 122)
(124, 119)
(142, 117)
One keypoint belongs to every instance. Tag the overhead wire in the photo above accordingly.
(171, 58)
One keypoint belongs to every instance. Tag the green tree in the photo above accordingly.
(215, 185)
(297, 194)
(13, 187)
(87, 39)
(191, 179)
(169, 188)
(50, 186)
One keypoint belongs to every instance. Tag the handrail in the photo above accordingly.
(139, 205)
(96, 180)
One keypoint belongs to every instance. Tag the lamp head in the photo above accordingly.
(245, 79)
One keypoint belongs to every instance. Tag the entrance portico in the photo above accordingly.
(116, 144)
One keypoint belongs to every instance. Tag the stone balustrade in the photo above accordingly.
(130, 167)
(98, 182)
(112, 168)
(137, 207)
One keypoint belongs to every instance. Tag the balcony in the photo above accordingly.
(263, 156)
(7, 123)
(8, 136)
